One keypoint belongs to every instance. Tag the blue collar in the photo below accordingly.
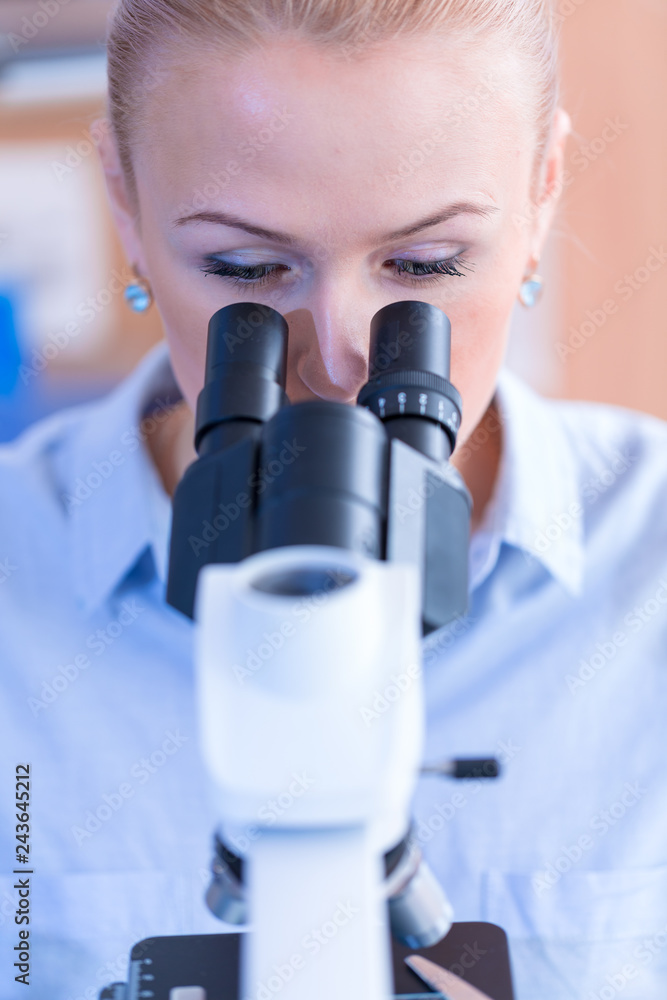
(117, 505)
(536, 505)
(118, 509)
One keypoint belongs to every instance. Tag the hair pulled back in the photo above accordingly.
(146, 36)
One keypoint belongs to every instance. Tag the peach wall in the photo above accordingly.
(614, 59)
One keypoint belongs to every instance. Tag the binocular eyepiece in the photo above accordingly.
(408, 386)
(373, 478)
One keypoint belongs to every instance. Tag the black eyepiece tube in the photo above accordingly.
(246, 364)
(246, 361)
(410, 335)
(408, 387)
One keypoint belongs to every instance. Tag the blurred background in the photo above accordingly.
(66, 334)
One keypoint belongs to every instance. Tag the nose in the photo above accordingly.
(327, 353)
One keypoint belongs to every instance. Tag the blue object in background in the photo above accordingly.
(10, 355)
(23, 402)
(15, 398)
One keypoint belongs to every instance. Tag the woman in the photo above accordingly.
(327, 158)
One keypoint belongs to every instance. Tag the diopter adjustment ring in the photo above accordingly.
(413, 393)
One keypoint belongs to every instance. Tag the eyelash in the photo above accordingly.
(259, 274)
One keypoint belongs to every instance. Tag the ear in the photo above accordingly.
(123, 208)
(552, 179)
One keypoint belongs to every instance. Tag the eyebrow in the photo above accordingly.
(234, 222)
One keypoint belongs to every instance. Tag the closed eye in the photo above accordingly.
(259, 274)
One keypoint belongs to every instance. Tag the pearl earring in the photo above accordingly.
(531, 287)
(138, 294)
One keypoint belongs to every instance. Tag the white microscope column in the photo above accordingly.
(315, 778)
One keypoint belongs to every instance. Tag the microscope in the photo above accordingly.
(315, 544)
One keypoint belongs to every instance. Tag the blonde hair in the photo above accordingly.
(145, 34)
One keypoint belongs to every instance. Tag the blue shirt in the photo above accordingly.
(559, 669)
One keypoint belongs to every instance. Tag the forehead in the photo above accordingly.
(339, 133)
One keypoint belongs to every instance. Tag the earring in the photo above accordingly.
(531, 287)
(138, 294)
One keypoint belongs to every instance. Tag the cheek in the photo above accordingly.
(185, 309)
(185, 331)
(479, 339)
